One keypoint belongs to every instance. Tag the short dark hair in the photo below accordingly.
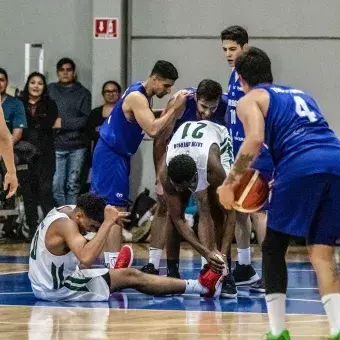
(93, 206)
(165, 69)
(209, 90)
(181, 168)
(2, 71)
(119, 88)
(254, 67)
(64, 61)
(235, 33)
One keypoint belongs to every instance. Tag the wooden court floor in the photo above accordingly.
(131, 315)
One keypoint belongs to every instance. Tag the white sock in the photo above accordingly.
(331, 303)
(110, 259)
(194, 287)
(203, 261)
(155, 256)
(276, 305)
(243, 256)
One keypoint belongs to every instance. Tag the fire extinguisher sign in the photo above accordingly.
(105, 28)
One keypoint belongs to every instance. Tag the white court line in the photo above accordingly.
(9, 273)
(15, 293)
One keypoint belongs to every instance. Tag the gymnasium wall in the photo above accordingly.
(301, 37)
(64, 26)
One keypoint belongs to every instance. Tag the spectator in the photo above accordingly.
(13, 110)
(74, 106)
(41, 114)
(111, 92)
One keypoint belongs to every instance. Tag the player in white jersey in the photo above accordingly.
(199, 156)
(59, 249)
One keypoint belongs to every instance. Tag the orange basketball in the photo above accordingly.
(252, 192)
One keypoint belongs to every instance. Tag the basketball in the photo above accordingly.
(252, 192)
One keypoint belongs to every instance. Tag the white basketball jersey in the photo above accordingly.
(47, 271)
(195, 140)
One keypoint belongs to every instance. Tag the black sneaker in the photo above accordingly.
(173, 273)
(229, 289)
(245, 274)
(150, 269)
(258, 287)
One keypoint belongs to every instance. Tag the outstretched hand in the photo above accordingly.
(113, 215)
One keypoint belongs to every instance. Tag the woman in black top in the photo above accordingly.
(111, 92)
(41, 113)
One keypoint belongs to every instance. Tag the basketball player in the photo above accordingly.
(59, 249)
(120, 137)
(6, 152)
(235, 43)
(198, 158)
(305, 198)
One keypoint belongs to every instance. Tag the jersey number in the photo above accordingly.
(35, 245)
(196, 133)
(302, 109)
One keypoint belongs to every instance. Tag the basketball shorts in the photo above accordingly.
(307, 207)
(82, 285)
(110, 175)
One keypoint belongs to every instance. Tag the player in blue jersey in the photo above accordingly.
(121, 135)
(206, 102)
(305, 198)
(235, 43)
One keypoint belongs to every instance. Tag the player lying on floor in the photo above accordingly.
(59, 248)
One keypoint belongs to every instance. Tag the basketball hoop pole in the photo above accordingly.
(28, 47)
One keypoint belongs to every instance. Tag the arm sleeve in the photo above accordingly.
(19, 116)
(48, 121)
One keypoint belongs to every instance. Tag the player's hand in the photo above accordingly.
(180, 99)
(11, 184)
(215, 261)
(112, 215)
(226, 196)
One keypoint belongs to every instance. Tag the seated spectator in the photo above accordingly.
(111, 92)
(41, 114)
(13, 110)
(71, 142)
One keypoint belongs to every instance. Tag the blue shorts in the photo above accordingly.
(308, 207)
(110, 175)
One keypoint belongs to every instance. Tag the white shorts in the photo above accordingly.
(82, 285)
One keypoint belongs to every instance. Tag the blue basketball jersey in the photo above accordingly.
(235, 92)
(123, 136)
(190, 112)
(299, 139)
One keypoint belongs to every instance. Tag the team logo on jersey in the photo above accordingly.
(119, 195)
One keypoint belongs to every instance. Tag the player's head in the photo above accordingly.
(208, 95)
(163, 77)
(3, 81)
(234, 43)
(89, 212)
(254, 67)
(182, 173)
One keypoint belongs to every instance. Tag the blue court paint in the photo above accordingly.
(15, 290)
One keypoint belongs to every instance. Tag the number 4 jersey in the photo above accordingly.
(299, 139)
(195, 140)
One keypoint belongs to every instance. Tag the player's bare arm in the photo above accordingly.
(6, 152)
(206, 230)
(252, 118)
(136, 103)
(216, 173)
(87, 252)
(160, 142)
(250, 112)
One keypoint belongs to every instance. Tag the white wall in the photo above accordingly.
(63, 27)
